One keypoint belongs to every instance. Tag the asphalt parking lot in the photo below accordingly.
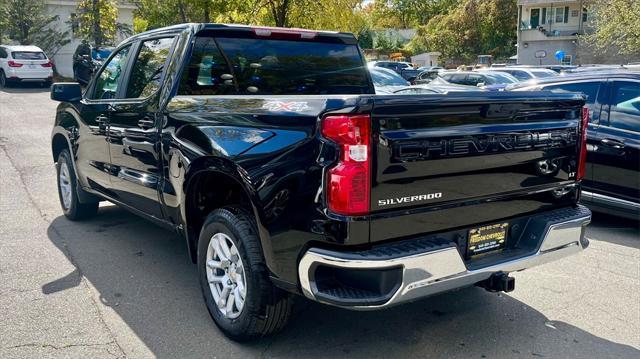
(118, 286)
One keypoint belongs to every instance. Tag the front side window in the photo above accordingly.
(625, 107)
(279, 67)
(148, 68)
(108, 80)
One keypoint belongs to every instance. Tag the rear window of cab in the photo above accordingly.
(247, 66)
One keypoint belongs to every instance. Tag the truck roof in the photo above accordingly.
(261, 31)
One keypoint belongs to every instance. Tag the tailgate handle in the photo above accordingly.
(612, 143)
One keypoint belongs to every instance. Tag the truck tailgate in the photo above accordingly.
(445, 161)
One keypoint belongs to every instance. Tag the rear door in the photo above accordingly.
(616, 151)
(133, 128)
(466, 150)
(596, 95)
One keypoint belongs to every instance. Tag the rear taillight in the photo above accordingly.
(349, 182)
(48, 64)
(12, 63)
(582, 159)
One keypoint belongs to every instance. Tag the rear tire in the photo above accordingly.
(265, 309)
(68, 190)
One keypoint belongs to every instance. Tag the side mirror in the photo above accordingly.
(66, 91)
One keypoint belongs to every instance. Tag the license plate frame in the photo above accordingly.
(487, 239)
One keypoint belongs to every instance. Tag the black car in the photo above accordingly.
(268, 151)
(612, 180)
(87, 59)
(403, 69)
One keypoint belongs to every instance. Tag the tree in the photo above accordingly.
(616, 29)
(405, 14)
(27, 22)
(472, 28)
(98, 21)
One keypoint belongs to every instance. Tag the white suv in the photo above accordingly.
(24, 64)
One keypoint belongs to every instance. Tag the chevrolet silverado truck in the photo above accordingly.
(268, 151)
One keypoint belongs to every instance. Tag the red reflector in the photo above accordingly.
(12, 63)
(349, 182)
(582, 160)
(48, 64)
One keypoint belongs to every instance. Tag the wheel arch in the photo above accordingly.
(230, 187)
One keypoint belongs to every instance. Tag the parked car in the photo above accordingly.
(24, 64)
(304, 181)
(488, 80)
(612, 180)
(403, 69)
(386, 81)
(434, 88)
(526, 73)
(428, 75)
(87, 59)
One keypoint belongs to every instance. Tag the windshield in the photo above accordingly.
(500, 78)
(101, 54)
(384, 77)
(543, 74)
(28, 55)
(279, 67)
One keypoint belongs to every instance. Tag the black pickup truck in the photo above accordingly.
(267, 150)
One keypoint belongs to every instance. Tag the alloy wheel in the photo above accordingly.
(226, 275)
(64, 181)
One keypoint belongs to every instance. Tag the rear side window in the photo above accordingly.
(280, 67)
(28, 55)
(625, 107)
(148, 68)
(590, 89)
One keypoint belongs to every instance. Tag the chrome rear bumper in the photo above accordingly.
(442, 269)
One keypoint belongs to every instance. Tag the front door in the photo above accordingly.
(93, 158)
(535, 18)
(134, 130)
(616, 160)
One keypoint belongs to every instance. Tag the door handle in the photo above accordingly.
(612, 143)
(146, 123)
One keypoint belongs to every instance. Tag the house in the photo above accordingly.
(66, 11)
(546, 27)
(426, 59)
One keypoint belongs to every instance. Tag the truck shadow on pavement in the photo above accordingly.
(144, 275)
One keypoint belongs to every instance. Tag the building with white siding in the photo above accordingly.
(66, 10)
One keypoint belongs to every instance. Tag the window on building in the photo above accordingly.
(75, 24)
(566, 60)
(561, 15)
(544, 16)
(584, 14)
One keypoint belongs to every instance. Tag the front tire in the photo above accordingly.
(231, 264)
(68, 190)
